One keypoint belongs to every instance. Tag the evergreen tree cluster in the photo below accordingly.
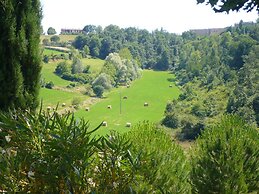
(19, 53)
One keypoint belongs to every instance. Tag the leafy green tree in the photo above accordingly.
(105, 49)
(89, 29)
(234, 5)
(194, 63)
(86, 50)
(94, 46)
(164, 62)
(125, 54)
(77, 66)
(20, 54)
(80, 41)
(51, 31)
(103, 80)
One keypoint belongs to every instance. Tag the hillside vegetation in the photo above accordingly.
(106, 135)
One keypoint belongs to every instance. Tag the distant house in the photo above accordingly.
(208, 32)
(71, 31)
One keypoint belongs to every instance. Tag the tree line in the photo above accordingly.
(218, 74)
(223, 63)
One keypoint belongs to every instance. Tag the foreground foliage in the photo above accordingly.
(226, 159)
(44, 152)
(20, 54)
(163, 167)
(59, 154)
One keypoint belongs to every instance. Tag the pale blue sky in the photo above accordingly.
(172, 15)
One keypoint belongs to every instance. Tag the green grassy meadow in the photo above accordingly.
(63, 38)
(61, 95)
(49, 68)
(152, 88)
(95, 64)
(49, 75)
(51, 97)
(50, 52)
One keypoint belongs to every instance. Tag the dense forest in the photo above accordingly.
(218, 74)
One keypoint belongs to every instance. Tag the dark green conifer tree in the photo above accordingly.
(20, 63)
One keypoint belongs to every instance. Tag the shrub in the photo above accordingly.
(54, 38)
(98, 90)
(77, 66)
(86, 69)
(171, 120)
(89, 90)
(80, 77)
(62, 68)
(71, 85)
(162, 165)
(76, 102)
(45, 152)
(45, 58)
(114, 170)
(59, 154)
(226, 158)
(45, 42)
(49, 85)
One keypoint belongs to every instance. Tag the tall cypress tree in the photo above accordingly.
(20, 63)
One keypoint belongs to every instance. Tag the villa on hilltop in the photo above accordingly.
(71, 31)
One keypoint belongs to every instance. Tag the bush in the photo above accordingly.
(45, 152)
(226, 158)
(45, 58)
(86, 69)
(54, 38)
(49, 85)
(89, 90)
(81, 77)
(162, 165)
(71, 85)
(171, 120)
(98, 90)
(76, 102)
(62, 68)
(114, 170)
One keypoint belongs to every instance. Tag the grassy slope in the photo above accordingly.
(49, 68)
(63, 38)
(95, 64)
(49, 75)
(52, 97)
(51, 52)
(153, 88)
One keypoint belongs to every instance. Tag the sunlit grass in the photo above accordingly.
(48, 74)
(152, 88)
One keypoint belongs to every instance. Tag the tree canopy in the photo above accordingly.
(51, 31)
(20, 54)
(234, 5)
